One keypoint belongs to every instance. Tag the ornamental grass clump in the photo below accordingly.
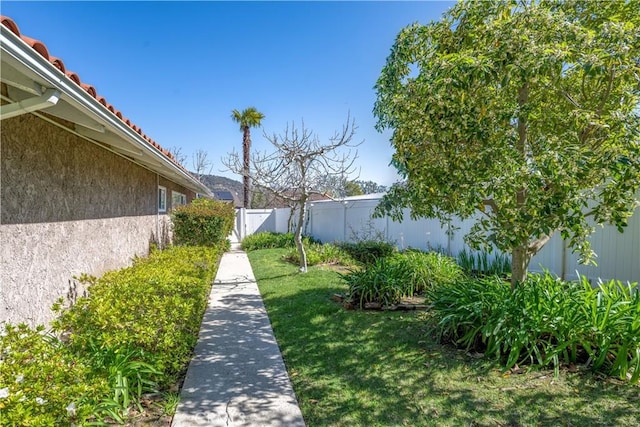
(544, 321)
(483, 264)
(407, 274)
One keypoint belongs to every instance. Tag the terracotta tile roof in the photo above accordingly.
(40, 47)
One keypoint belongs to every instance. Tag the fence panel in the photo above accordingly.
(329, 221)
(259, 220)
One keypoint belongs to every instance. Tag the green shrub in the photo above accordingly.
(368, 251)
(204, 222)
(272, 240)
(42, 383)
(321, 254)
(544, 321)
(407, 274)
(134, 333)
(155, 306)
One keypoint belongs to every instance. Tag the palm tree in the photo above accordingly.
(248, 118)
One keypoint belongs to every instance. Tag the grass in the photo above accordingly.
(376, 368)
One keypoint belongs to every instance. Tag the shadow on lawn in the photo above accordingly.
(382, 368)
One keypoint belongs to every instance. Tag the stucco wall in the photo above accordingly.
(38, 261)
(67, 206)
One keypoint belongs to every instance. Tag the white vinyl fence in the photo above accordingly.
(350, 220)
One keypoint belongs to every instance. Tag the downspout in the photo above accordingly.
(158, 240)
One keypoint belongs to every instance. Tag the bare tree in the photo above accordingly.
(177, 154)
(299, 167)
(201, 163)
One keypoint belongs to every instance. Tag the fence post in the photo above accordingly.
(345, 221)
(242, 223)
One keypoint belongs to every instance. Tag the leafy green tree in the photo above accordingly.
(524, 111)
(370, 187)
(351, 188)
(247, 119)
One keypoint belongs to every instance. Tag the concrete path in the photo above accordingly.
(237, 376)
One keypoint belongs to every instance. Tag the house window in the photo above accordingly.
(162, 199)
(178, 199)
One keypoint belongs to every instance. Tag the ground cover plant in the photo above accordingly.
(133, 335)
(316, 252)
(377, 368)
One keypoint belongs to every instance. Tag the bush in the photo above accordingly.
(321, 254)
(368, 251)
(271, 240)
(204, 222)
(134, 333)
(155, 306)
(391, 278)
(42, 383)
(544, 321)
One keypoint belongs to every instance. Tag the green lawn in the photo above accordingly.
(382, 368)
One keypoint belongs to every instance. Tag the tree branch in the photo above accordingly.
(492, 204)
(535, 246)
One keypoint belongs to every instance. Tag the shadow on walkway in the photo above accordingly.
(237, 376)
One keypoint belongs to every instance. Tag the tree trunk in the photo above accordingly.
(292, 211)
(519, 264)
(246, 154)
(520, 255)
(298, 236)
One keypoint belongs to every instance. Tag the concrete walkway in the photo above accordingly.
(237, 376)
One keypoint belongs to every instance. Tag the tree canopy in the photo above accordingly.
(526, 112)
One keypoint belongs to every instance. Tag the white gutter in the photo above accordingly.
(48, 99)
(75, 95)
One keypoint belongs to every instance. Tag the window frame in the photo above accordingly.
(162, 199)
(181, 202)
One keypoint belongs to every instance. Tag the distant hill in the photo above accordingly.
(216, 183)
(221, 183)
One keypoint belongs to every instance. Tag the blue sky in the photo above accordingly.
(177, 69)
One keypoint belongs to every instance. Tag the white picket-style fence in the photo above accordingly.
(350, 219)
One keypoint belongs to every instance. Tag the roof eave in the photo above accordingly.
(75, 95)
